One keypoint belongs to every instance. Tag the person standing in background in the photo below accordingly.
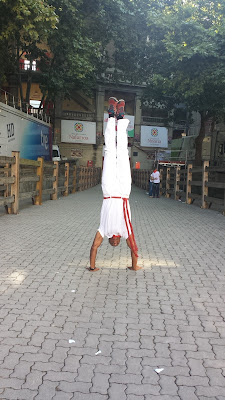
(151, 181)
(156, 179)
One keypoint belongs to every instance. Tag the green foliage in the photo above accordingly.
(188, 39)
(185, 57)
(27, 20)
(74, 54)
(24, 26)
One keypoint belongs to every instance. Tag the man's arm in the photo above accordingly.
(134, 267)
(95, 245)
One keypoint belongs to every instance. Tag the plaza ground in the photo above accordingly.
(67, 333)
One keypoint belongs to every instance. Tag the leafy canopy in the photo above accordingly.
(185, 56)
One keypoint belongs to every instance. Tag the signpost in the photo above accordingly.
(154, 136)
(78, 132)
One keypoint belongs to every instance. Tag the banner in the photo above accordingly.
(154, 136)
(24, 133)
(130, 129)
(78, 131)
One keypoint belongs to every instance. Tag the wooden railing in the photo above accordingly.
(140, 177)
(204, 184)
(22, 179)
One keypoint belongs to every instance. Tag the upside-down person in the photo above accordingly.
(115, 221)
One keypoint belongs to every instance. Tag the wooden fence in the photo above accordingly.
(204, 185)
(27, 179)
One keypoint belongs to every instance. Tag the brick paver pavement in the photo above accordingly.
(169, 316)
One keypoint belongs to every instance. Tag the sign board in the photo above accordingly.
(78, 132)
(154, 136)
(137, 165)
(90, 163)
(24, 133)
(130, 128)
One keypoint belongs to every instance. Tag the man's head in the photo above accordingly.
(114, 240)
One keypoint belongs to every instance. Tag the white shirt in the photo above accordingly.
(156, 176)
(112, 218)
(151, 178)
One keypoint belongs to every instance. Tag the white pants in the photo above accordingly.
(116, 176)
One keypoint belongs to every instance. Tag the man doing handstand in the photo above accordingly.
(115, 221)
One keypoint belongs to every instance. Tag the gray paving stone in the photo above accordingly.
(187, 393)
(142, 390)
(150, 376)
(11, 360)
(155, 362)
(215, 377)
(23, 394)
(118, 357)
(169, 315)
(196, 367)
(22, 369)
(100, 383)
(168, 385)
(110, 369)
(63, 396)
(45, 366)
(59, 376)
(46, 391)
(176, 371)
(134, 366)
(117, 391)
(125, 378)
(33, 380)
(69, 387)
(162, 397)
(192, 381)
(85, 373)
(90, 396)
(6, 373)
(210, 392)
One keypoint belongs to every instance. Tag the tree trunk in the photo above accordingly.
(43, 99)
(199, 140)
(29, 82)
(19, 75)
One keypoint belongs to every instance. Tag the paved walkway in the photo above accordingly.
(67, 333)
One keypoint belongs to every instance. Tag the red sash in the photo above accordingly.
(128, 223)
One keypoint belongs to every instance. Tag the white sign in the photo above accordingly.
(78, 131)
(154, 136)
(130, 128)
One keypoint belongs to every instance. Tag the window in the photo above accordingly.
(27, 65)
(35, 103)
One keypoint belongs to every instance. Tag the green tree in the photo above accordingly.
(79, 45)
(184, 61)
(24, 26)
(77, 34)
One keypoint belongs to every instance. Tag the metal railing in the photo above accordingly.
(12, 101)
(153, 120)
(175, 157)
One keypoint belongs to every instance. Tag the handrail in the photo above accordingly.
(13, 101)
(29, 179)
(191, 183)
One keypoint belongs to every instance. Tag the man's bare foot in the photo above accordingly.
(93, 269)
(135, 268)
